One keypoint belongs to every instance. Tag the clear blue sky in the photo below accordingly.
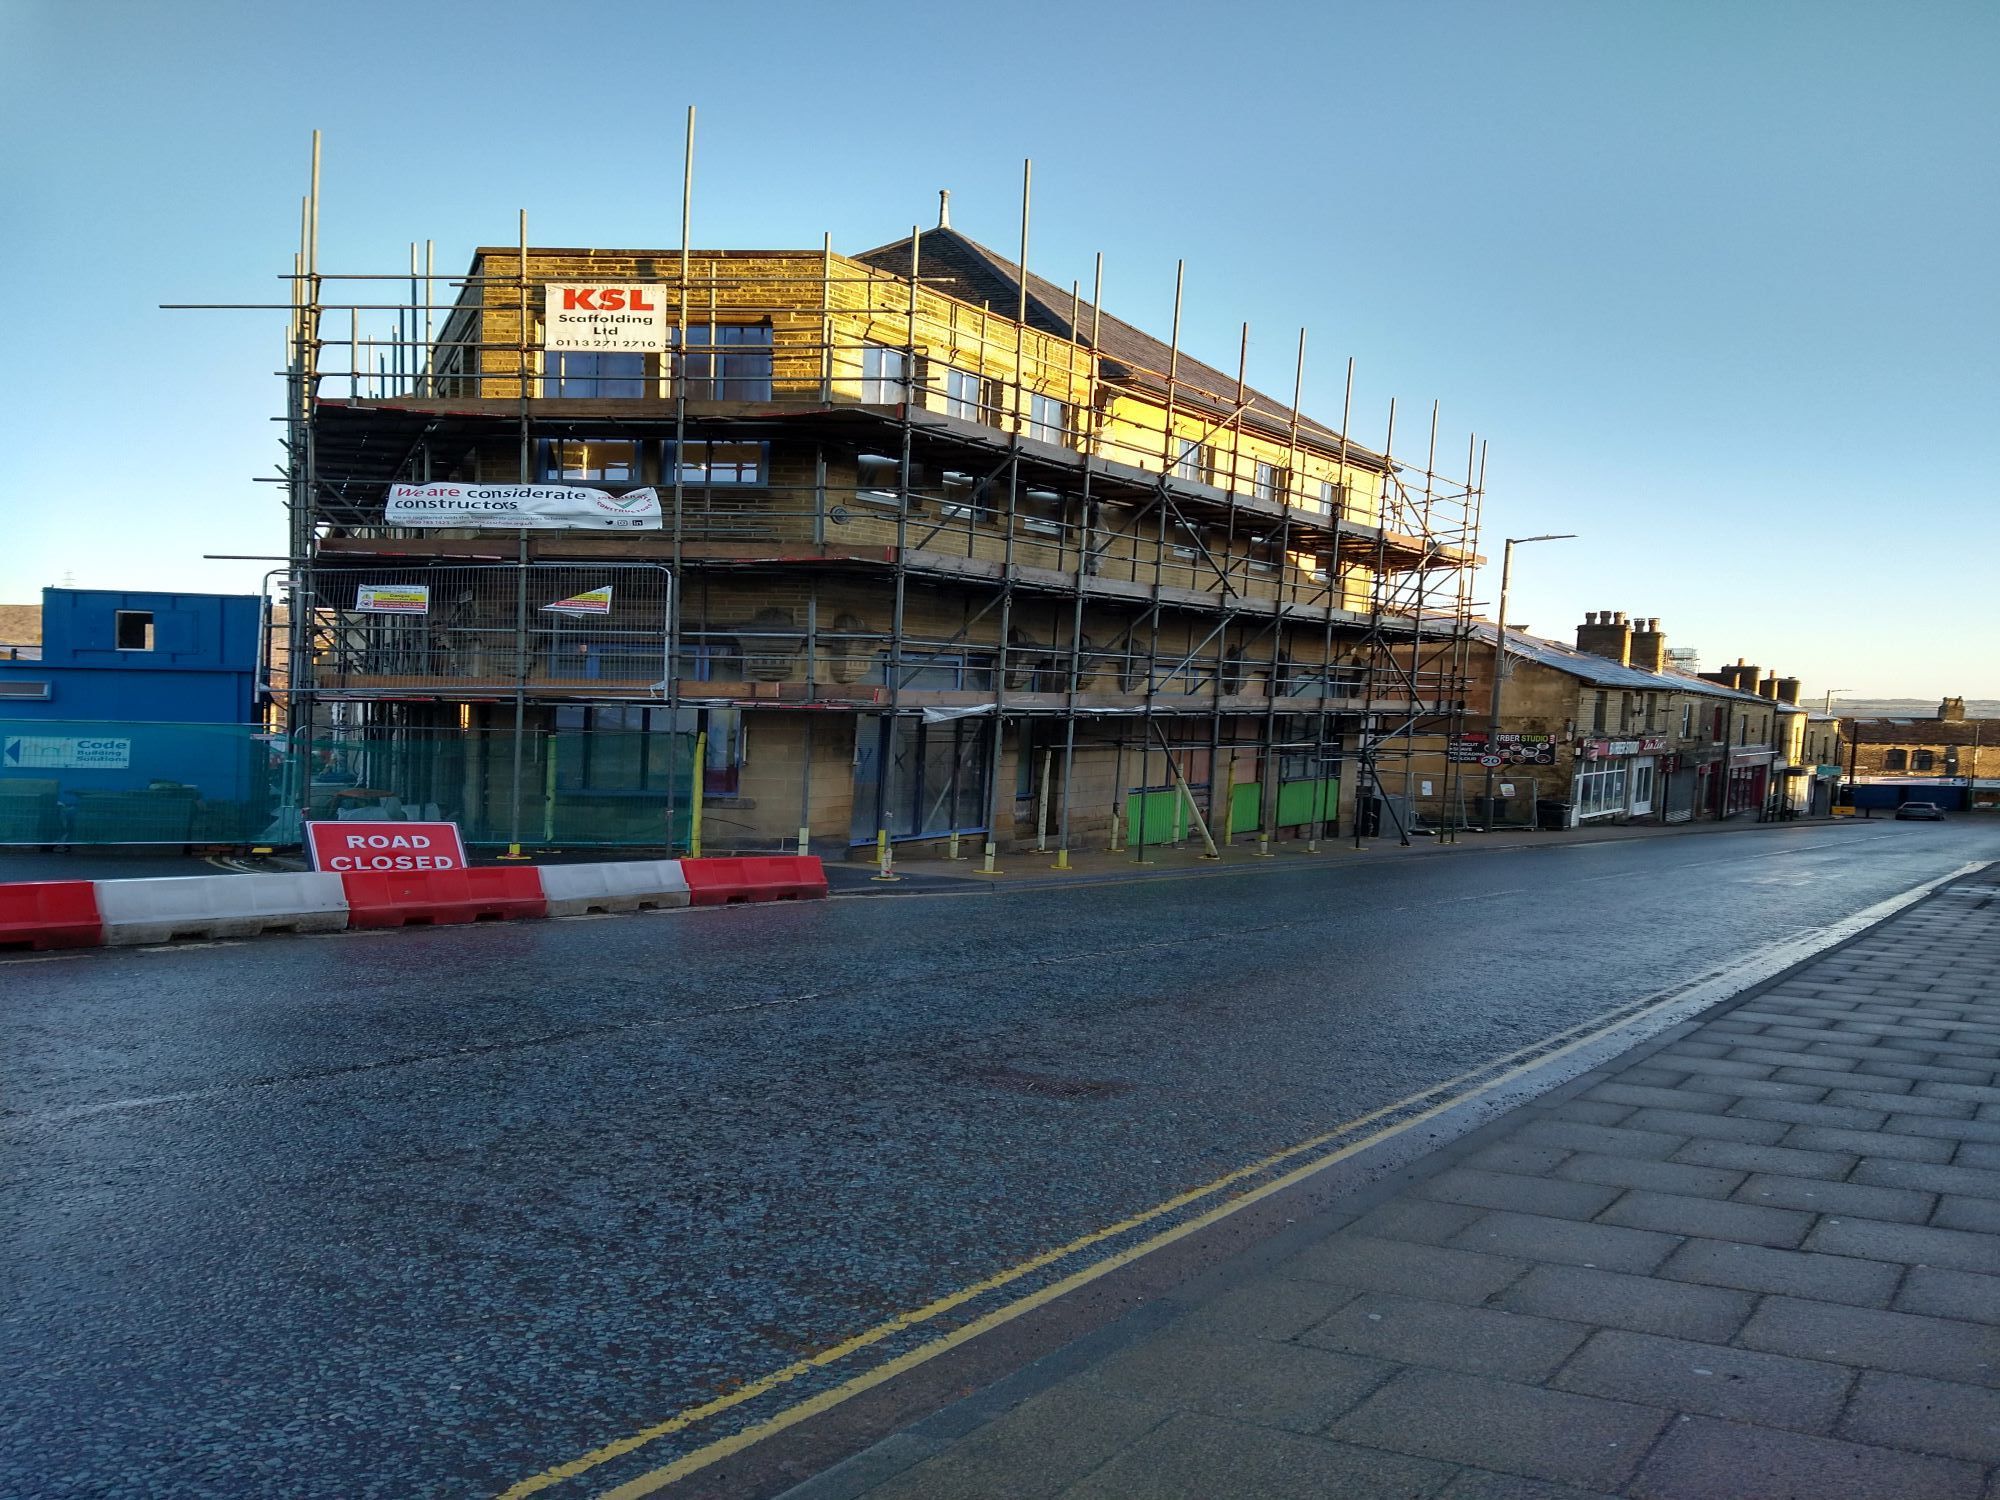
(1716, 280)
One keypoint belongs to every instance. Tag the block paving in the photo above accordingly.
(1760, 1259)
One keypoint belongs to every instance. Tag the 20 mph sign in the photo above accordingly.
(384, 848)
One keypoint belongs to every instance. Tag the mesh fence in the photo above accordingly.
(67, 783)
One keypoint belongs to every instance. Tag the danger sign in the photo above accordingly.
(361, 848)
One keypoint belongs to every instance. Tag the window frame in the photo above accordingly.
(672, 467)
(880, 387)
(981, 404)
(718, 359)
(149, 636)
(551, 469)
(1036, 426)
(557, 379)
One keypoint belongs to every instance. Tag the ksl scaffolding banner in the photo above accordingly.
(535, 507)
(597, 319)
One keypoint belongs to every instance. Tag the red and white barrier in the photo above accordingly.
(628, 885)
(218, 906)
(115, 913)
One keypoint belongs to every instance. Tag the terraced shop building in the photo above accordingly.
(898, 543)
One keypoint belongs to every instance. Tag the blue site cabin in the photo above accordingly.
(139, 713)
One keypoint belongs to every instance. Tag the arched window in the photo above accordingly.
(1924, 760)
(1896, 760)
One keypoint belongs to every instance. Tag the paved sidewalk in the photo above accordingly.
(1757, 1259)
(1031, 869)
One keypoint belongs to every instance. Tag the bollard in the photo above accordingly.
(885, 857)
(987, 867)
(805, 837)
(1062, 857)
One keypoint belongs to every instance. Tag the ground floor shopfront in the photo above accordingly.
(1621, 779)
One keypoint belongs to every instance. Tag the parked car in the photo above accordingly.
(1929, 812)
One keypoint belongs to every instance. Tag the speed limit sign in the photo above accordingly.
(1491, 760)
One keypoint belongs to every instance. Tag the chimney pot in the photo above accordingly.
(944, 208)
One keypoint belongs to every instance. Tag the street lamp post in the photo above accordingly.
(1500, 653)
(1826, 710)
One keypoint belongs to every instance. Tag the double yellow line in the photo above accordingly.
(811, 1406)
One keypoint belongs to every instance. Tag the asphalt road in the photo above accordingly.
(426, 1213)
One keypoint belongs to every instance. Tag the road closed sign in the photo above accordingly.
(384, 848)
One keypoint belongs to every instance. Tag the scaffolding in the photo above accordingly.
(915, 487)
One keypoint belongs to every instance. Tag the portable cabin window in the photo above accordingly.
(1048, 419)
(885, 376)
(21, 687)
(727, 362)
(1896, 760)
(599, 460)
(719, 463)
(616, 377)
(134, 629)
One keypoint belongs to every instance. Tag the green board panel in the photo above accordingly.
(1164, 816)
(1303, 802)
(1299, 803)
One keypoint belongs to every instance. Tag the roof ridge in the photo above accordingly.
(1043, 295)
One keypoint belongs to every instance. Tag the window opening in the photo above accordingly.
(135, 630)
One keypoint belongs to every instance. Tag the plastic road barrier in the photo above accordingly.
(787, 877)
(218, 906)
(420, 897)
(627, 885)
(49, 914)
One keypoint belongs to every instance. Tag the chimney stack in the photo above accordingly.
(1788, 690)
(1768, 687)
(1607, 634)
(1649, 646)
(1952, 711)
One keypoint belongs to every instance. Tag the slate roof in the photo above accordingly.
(967, 270)
(1601, 671)
(1924, 731)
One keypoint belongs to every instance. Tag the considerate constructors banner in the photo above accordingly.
(517, 507)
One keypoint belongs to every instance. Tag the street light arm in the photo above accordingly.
(1500, 649)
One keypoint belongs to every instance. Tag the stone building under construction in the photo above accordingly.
(904, 545)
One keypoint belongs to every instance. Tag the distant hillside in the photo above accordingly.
(1911, 708)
